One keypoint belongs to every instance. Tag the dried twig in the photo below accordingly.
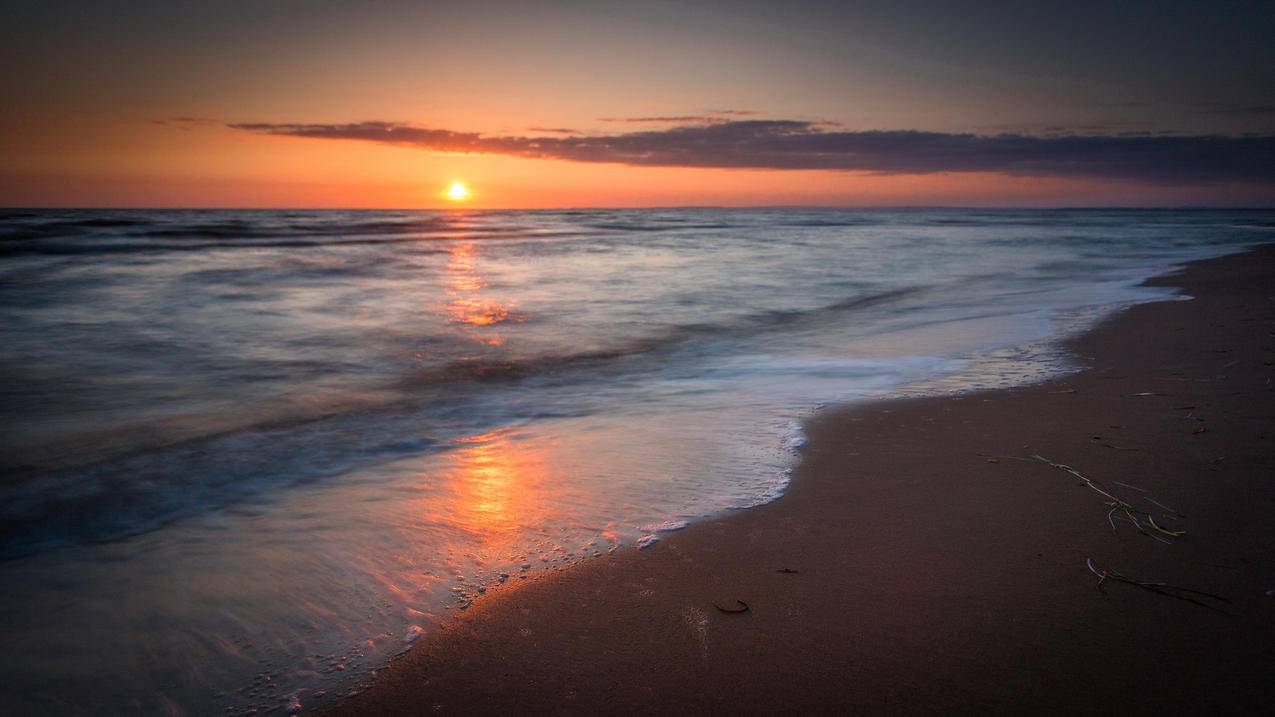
(1173, 591)
(1141, 519)
(1166, 508)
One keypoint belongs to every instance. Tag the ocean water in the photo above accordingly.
(248, 456)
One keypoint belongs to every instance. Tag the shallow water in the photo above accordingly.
(250, 455)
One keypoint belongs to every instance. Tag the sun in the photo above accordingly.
(457, 192)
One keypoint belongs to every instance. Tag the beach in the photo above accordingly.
(636, 358)
(252, 458)
(936, 554)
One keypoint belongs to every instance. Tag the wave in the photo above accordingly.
(266, 225)
(286, 227)
(832, 222)
(673, 337)
(9, 246)
(124, 495)
(658, 226)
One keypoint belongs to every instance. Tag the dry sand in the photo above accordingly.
(926, 577)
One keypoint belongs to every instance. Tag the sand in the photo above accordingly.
(906, 571)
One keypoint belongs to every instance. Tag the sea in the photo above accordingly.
(249, 457)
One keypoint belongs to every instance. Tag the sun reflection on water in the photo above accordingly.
(467, 309)
(498, 483)
(481, 510)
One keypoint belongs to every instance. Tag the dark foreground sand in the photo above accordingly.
(928, 578)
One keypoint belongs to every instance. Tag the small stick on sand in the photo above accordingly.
(1141, 519)
(1159, 588)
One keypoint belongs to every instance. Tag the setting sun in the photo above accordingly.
(457, 192)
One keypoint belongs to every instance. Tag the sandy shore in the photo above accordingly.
(917, 564)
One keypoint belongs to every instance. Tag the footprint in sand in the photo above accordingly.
(697, 620)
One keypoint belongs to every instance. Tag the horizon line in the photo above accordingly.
(725, 207)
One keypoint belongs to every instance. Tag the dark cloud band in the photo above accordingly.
(793, 144)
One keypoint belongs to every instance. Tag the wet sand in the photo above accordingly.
(923, 561)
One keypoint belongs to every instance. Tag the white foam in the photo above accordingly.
(795, 439)
(653, 532)
(666, 526)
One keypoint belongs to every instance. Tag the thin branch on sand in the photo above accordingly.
(1173, 591)
(1171, 513)
(1141, 519)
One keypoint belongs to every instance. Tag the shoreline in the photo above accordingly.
(915, 563)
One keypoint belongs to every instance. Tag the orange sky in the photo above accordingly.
(88, 88)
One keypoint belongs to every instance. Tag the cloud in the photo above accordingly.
(1221, 108)
(1054, 130)
(799, 144)
(710, 116)
(1121, 105)
(678, 119)
(187, 123)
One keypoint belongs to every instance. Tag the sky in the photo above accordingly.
(562, 104)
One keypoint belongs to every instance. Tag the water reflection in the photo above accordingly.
(468, 309)
(499, 486)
